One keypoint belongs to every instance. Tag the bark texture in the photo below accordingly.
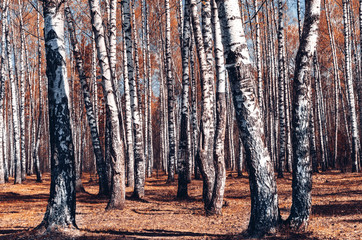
(264, 199)
(302, 171)
(60, 211)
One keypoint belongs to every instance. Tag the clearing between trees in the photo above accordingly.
(336, 210)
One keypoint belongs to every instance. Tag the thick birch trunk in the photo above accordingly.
(264, 199)
(60, 212)
(302, 172)
(118, 178)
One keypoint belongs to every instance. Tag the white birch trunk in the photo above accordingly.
(302, 172)
(219, 152)
(264, 199)
(4, 8)
(184, 146)
(171, 98)
(60, 212)
(350, 89)
(206, 139)
(22, 94)
(118, 187)
(15, 109)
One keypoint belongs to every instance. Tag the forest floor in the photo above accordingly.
(336, 211)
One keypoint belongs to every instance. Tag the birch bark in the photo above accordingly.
(60, 213)
(117, 199)
(97, 148)
(15, 109)
(206, 140)
(302, 172)
(350, 88)
(184, 148)
(171, 98)
(264, 199)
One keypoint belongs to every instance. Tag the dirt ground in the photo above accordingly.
(336, 211)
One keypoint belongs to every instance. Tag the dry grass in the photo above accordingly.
(336, 212)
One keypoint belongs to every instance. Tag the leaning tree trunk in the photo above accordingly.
(184, 125)
(350, 88)
(219, 153)
(118, 193)
(302, 172)
(171, 98)
(97, 148)
(206, 138)
(264, 198)
(60, 213)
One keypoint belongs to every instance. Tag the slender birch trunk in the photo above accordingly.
(22, 93)
(60, 213)
(171, 98)
(97, 148)
(149, 106)
(15, 109)
(219, 152)
(184, 148)
(264, 198)
(258, 59)
(281, 92)
(127, 76)
(302, 172)
(350, 89)
(118, 194)
(4, 8)
(206, 138)
(136, 104)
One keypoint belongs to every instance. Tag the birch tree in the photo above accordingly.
(219, 153)
(97, 148)
(118, 195)
(15, 107)
(281, 84)
(171, 98)
(350, 88)
(60, 213)
(137, 129)
(4, 8)
(206, 138)
(264, 199)
(302, 172)
(22, 92)
(184, 125)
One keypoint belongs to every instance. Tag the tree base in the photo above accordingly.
(296, 225)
